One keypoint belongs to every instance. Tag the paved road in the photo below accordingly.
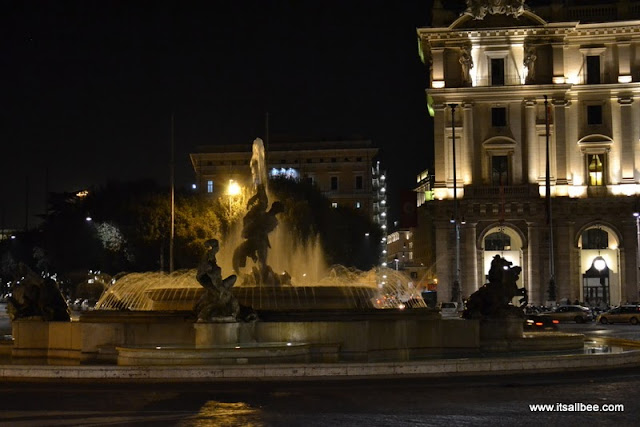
(460, 402)
(619, 330)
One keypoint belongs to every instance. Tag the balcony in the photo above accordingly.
(505, 80)
(524, 191)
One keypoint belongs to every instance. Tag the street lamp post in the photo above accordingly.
(456, 294)
(637, 215)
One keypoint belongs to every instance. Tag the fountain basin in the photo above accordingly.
(238, 354)
(272, 297)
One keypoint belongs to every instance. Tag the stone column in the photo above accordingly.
(469, 275)
(629, 280)
(624, 59)
(537, 285)
(558, 59)
(562, 254)
(444, 259)
(470, 170)
(626, 133)
(437, 66)
(531, 167)
(560, 131)
(517, 160)
(439, 123)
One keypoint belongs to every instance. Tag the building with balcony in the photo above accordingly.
(530, 104)
(342, 170)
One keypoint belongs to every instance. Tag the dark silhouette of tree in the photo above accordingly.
(343, 231)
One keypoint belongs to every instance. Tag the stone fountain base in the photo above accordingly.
(175, 338)
(289, 298)
(131, 337)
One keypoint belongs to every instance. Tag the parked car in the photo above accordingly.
(536, 322)
(622, 314)
(568, 313)
(448, 309)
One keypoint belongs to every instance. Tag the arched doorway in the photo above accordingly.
(599, 266)
(505, 241)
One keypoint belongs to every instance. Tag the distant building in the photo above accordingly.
(380, 208)
(490, 71)
(342, 170)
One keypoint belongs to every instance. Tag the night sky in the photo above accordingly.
(88, 87)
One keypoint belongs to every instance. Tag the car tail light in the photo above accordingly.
(555, 322)
(539, 323)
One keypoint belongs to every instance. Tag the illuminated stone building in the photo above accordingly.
(342, 170)
(494, 64)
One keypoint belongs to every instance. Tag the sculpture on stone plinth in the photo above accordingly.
(493, 300)
(35, 297)
(217, 302)
(529, 62)
(466, 62)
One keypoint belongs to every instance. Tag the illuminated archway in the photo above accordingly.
(599, 252)
(504, 240)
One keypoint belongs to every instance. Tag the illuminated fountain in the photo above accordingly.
(304, 312)
(274, 271)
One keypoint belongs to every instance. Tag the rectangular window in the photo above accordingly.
(334, 182)
(358, 205)
(499, 170)
(595, 168)
(593, 69)
(499, 117)
(209, 186)
(594, 114)
(358, 182)
(334, 204)
(497, 71)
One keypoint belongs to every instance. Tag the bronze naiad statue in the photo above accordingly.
(218, 301)
(256, 226)
(493, 300)
(35, 297)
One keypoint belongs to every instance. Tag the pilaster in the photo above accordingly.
(531, 167)
(559, 123)
(470, 172)
(626, 133)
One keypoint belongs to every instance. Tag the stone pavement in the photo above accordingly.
(472, 366)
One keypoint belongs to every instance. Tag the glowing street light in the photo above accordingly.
(233, 189)
(599, 263)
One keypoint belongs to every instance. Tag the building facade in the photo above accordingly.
(523, 102)
(342, 170)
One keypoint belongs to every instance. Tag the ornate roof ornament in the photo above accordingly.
(478, 9)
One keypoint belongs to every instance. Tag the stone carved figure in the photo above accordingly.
(530, 62)
(466, 62)
(493, 299)
(478, 9)
(218, 301)
(35, 297)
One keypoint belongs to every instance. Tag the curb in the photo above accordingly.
(335, 371)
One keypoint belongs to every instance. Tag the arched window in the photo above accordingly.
(595, 238)
(497, 241)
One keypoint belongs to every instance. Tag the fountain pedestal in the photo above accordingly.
(223, 331)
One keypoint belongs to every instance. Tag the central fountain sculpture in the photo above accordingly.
(256, 226)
